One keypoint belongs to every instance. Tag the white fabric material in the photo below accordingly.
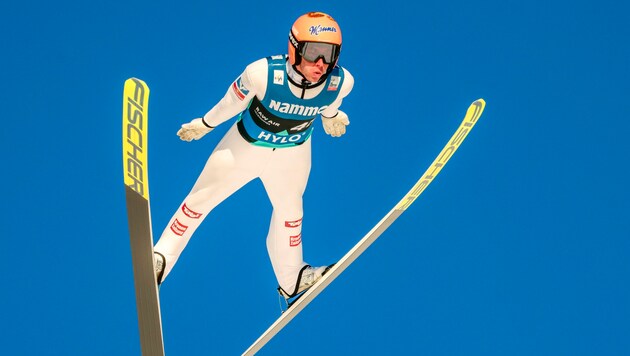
(193, 130)
(235, 162)
(255, 79)
(336, 126)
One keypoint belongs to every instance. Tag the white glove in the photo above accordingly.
(193, 130)
(336, 125)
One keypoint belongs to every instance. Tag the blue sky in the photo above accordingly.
(519, 247)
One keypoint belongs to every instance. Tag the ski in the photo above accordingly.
(134, 140)
(472, 115)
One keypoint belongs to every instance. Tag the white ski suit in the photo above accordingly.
(270, 141)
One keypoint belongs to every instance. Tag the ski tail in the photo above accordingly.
(135, 134)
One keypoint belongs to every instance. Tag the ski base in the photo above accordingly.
(147, 297)
(472, 115)
(134, 137)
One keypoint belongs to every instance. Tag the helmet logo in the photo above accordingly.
(316, 30)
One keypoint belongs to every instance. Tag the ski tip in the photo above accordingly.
(135, 79)
(480, 101)
(477, 107)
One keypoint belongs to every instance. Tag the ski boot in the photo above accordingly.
(307, 277)
(159, 262)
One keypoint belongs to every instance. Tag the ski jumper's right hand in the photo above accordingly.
(194, 130)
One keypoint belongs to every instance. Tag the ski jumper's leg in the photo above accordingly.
(285, 179)
(233, 163)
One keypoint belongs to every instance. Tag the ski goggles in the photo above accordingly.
(313, 51)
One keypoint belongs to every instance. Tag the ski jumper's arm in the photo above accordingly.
(333, 119)
(253, 81)
(346, 88)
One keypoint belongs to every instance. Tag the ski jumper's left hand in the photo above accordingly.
(194, 130)
(336, 125)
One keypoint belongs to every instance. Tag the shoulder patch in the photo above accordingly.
(278, 77)
(334, 83)
(239, 88)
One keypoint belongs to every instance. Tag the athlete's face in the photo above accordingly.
(312, 71)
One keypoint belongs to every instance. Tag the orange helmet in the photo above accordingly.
(313, 36)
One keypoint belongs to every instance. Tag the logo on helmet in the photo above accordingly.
(316, 30)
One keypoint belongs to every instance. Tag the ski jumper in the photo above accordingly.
(269, 141)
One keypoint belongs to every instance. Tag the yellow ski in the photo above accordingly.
(135, 158)
(472, 115)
